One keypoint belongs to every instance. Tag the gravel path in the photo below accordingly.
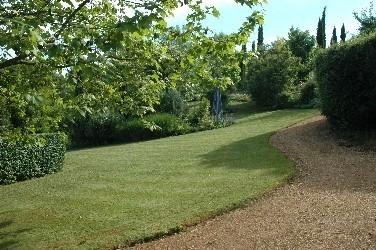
(330, 205)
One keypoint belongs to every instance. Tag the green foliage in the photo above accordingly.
(25, 159)
(243, 59)
(319, 33)
(323, 23)
(367, 19)
(199, 115)
(273, 79)
(343, 33)
(346, 76)
(334, 39)
(172, 102)
(309, 93)
(63, 59)
(321, 30)
(29, 105)
(300, 43)
(93, 130)
(260, 36)
(151, 127)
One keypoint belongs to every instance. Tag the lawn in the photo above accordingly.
(116, 195)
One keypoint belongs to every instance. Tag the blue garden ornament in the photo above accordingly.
(217, 103)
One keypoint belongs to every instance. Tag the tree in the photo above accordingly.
(319, 33)
(343, 33)
(367, 19)
(243, 63)
(300, 43)
(253, 46)
(323, 21)
(91, 56)
(334, 39)
(260, 36)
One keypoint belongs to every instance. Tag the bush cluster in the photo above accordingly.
(273, 78)
(26, 159)
(347, 83)
(93, 130)
(151, 127)
(103, 129)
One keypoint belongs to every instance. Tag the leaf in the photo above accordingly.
(216, 12)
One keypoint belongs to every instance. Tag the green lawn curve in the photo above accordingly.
(116, 195)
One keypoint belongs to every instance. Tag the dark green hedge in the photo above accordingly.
(165, 125)
(24, 160)
(346, 76)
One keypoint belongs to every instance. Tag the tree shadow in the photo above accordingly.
(243, 109)
(251, 153)
(7, 237)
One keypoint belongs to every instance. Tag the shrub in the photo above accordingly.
(309, 93)
(24, 160)
(199, 115)
(93, 130)
(347, 83)
(273, 79)
(172, 103)
(167, 125)
(152, 127)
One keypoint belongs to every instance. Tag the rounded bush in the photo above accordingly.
(273, 78)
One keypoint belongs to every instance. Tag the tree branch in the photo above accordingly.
(14, 61)
(70, 17)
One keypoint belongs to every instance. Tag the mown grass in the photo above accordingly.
(116, 195)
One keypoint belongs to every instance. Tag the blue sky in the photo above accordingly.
(280, 15)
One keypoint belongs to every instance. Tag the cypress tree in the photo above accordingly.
(242, 63)
(260, 37)
(319, 33)
(253, 46)
(334, 39)
(343, 33)
(323, 23)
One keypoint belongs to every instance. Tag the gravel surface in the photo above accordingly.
(331, 204)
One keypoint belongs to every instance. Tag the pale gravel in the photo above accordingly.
(331, 204)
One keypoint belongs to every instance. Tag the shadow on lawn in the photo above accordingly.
(251, 153)
(7, 237)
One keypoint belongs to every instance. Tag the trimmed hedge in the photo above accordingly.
(24, 160)
(346, 75)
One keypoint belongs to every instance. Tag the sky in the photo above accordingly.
(280, 15)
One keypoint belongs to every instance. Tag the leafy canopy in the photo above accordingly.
(60, 59)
